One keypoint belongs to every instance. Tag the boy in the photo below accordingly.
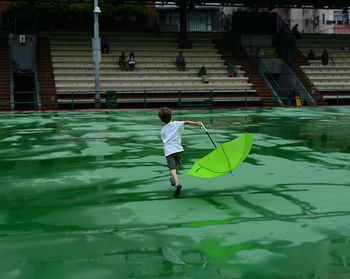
(171, 137)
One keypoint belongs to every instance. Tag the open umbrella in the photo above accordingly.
(224, 158)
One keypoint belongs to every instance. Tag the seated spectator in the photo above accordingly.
(311, 55)
(180, 62)
(131, 61)
(295, 31)
(231, 68)
(104, 45)
(325, 57)
(203, 74)
(122, 62)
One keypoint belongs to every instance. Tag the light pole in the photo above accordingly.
(96, 46)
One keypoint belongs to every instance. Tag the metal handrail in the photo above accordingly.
(204, 101)
(12, 83)
(274, 84)
(36, 77)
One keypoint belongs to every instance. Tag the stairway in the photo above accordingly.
(251, 71)
(5, 97)
(300, 60)
(46, 75)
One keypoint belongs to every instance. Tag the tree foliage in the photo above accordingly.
(65, 12)
(109, 8)
(44, 6)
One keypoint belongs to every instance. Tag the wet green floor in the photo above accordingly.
(86, 195)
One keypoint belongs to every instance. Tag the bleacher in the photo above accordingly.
(332, 80)
(155, 77)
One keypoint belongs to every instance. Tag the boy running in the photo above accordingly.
(171, 137)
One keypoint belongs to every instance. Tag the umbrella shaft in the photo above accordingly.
(206, 131)
(211, 139)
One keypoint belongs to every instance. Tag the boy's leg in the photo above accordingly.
(173, 162)
(178, 186)
(172, 183)
(174, 176)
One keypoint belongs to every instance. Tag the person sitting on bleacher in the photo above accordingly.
(131, 61)
(180, 62)
(122, 62)
(311, 55)
(203, 74)
(231, 68)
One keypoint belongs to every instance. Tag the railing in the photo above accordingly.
(12, 80)
(182, 98)
(36, 77)
(272, 82)
(300, 87)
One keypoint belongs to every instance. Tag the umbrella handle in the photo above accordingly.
(206, 131)
(203, 127)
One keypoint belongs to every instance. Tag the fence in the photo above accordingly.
(182, 98)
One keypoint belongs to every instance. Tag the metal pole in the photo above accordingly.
(96, 45)
(206, 131)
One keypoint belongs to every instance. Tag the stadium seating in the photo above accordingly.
(155, 68)
(332, 79)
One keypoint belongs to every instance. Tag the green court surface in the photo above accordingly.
(87, 195)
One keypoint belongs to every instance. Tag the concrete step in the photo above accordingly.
(144, 54)
(141, 77)
(131, 84)
(141, 65)
(139, 72)
(113, 59)
(199, 86)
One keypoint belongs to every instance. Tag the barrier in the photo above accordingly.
(182, 98)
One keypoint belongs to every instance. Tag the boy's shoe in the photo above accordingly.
(177, 191)
(172, 183)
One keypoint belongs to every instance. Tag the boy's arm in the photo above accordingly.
(193, 123)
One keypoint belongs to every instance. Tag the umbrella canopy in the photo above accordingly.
(224, 158)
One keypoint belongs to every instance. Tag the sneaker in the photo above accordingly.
(172, 183)
(177, 191)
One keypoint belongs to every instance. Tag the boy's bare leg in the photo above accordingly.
(178, 187)
(174, 176)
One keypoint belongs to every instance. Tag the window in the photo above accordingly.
(346, 16)
(340, 16)
(172, 19)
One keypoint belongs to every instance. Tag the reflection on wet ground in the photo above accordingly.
(86, 195)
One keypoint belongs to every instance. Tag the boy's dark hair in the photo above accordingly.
(165, 114)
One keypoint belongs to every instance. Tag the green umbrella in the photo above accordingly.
(224, 158)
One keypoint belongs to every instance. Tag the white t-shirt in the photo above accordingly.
(171, 136)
